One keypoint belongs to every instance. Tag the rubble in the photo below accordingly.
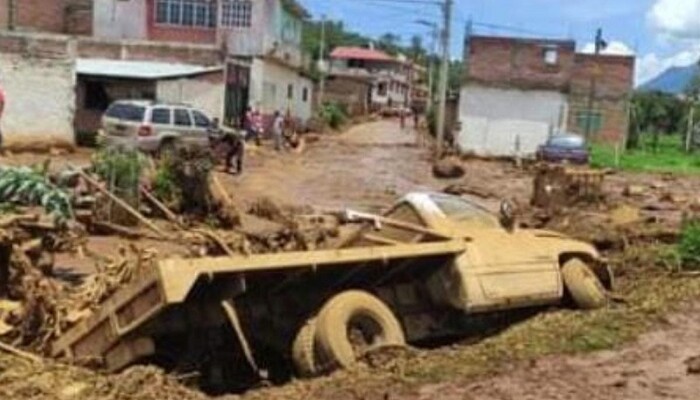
(448, 168)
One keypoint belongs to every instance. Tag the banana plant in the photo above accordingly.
(26, 186)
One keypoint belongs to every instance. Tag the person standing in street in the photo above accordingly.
(278, 130)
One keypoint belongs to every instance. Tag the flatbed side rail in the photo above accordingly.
(120, 315)
(179, 276)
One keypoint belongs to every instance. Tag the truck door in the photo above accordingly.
(511, 272)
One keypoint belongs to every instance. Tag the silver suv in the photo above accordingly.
(153, 127)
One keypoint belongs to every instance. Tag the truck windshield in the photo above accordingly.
(460, 210)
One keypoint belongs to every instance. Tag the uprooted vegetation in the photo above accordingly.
(650, 286)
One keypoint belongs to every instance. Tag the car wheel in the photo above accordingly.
(583, 285)
(352, 324)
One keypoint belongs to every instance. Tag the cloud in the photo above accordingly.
(614, 48)
(679, 19)
(651, 65)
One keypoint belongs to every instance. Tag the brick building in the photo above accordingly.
(389, 75)
(72, 17)
(518, 92)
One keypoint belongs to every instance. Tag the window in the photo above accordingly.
(201, 120)
(305, 95)
(551, 56)
(290, 91)
(567, 142)
(458, 209)
(381, 89)
(182, 117)
(160, 116)
(186, 12)
(589, 120)
(236, 13)
(127, 112)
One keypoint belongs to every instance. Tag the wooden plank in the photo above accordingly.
(123, 205)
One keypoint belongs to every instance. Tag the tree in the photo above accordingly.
(389, 42)
(417, 52)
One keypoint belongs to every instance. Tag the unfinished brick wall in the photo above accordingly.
(51, 16)
(613, 78)
(503, 62)
(514, 62)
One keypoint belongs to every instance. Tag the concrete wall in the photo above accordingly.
(40, 100)
(205, 92)
(498, 122)
(117, 19)
(269, 83)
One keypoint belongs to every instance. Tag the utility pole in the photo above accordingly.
(600, 45)
(434, 29)
(444, 71)
(321, 63)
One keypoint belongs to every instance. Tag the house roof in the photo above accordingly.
(139, 69)
(360, 53)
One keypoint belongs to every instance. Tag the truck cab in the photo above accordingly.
(503, 267)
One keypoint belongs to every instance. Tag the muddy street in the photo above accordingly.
(366, 167)
(658, 366)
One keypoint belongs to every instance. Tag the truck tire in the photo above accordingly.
(583, 285)
(351, 324)
(303, 350)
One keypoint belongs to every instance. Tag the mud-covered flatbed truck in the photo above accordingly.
(423, 270)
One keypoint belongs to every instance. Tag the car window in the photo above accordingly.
(127, 112)
(201, 120)
(182, 117)
(458, 209)
(567, 142)
(161, 116)
(404, 212)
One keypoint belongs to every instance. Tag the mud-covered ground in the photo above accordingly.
(369, 167)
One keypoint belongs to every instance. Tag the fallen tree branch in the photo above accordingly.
(123, 204)
(20, 353)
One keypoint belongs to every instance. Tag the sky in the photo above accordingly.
(661, 33)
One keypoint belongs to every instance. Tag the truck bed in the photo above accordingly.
(111, 335)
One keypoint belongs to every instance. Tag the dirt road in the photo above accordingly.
(367, 167)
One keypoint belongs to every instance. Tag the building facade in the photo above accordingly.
(391, 76)
(518, 92)
(73, 17)
(261, 40)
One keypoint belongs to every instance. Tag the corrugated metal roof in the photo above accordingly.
(359, 53)
(139, 69)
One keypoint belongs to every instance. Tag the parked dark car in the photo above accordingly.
(564, 149)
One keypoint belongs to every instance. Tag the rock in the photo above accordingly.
(633, 191)
(624, 215)
(693, 365)
(448, 168)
